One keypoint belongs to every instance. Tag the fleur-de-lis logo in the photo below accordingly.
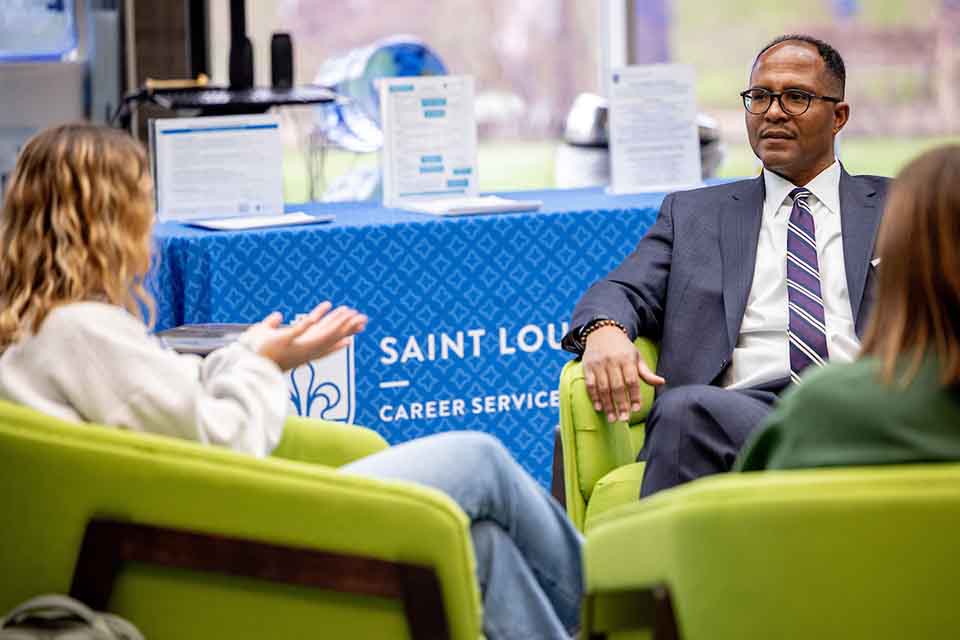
(304, 400)
(325, 388)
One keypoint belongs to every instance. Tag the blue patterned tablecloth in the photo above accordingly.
(466, 314)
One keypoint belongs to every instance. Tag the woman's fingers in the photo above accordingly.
(321, 309)
(325, 335)
(341, 321)
(315, 316)
(272, 320)
(353, 324)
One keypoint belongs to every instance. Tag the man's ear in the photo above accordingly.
(841, 113)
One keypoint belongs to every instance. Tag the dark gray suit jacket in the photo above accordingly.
(687, 282)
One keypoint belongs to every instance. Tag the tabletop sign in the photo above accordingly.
(217, 167)
(654, 144)
(430, 139)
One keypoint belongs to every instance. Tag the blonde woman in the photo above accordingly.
(900, 401)
(75, 237)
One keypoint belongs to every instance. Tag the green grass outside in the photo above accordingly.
(517, 165)
(899, 12)
(501, 165)
(878, 156)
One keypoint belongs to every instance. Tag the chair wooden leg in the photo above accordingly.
(557, 483)
(587, 620)
(423, 602)
(648, 608)
(664, 619)
(107, 545)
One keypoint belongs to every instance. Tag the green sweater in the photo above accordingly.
(844, 415)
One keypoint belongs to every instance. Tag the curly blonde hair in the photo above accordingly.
(75, 226)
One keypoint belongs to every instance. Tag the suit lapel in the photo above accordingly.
(859, 218)
(739, 234)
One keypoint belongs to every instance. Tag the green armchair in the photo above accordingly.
(600, 470)
(857, 553)
(829, 553)
(192, 541)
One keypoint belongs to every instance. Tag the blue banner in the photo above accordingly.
(466, 314)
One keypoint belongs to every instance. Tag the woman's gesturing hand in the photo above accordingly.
(313, 336)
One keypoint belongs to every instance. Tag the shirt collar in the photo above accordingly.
(825, 188)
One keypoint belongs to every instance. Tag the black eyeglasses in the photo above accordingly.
(794, 102)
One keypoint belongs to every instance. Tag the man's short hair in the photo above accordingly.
(831, 57)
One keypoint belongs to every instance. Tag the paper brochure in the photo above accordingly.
(216, 167)
(473, 206)
(259, 222)
(430, 138)
(654, 144)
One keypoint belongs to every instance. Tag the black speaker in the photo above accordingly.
(241, 64)
(281, 61)
(241, 50)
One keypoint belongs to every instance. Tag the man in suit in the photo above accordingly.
(745, 284)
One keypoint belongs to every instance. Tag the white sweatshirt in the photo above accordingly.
(95, 362)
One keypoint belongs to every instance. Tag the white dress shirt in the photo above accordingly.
(762, 353)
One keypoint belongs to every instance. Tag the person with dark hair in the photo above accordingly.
(744, 285)
(900, 401)
(831, 58)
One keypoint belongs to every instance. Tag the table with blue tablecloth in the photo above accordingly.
(466, 314)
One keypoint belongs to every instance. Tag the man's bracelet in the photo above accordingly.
(598, 324)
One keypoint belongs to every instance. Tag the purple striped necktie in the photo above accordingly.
(807, 333)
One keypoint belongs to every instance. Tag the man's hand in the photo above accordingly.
(313, 336)
(613, 369)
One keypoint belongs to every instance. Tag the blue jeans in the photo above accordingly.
(527, 551)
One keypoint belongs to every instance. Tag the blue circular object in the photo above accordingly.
(354, 123)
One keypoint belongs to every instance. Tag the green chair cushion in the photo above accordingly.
(618, 488)
(333, 444)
